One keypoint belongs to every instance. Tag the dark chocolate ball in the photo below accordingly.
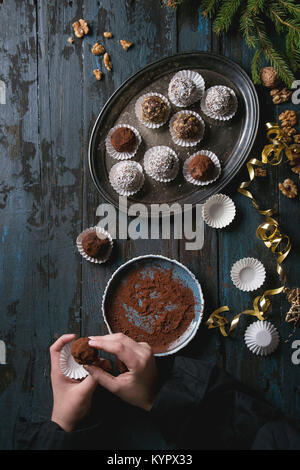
(201, 167)
(123, 139)
(82, 352)
(187, 126)
(154, 109)
(94, 246)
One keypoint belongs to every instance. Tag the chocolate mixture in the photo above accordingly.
(152, 306)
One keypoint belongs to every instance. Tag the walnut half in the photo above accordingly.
(80, 28)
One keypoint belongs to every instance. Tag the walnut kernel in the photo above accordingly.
(107, 62)
(107, 34)
(280, 95)
(98, 74)
(80, 28)
(288, 118)
(288, 188)
(97, 49)
(125, 44)
(70, 40)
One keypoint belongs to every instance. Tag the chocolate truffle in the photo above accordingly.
(201, 167)
(187, 126)
(219, 100)
(82, 352)
(94, 246)
(161, 163)
(154, 109)
(183, 90)
(123, 139)
(126, 176)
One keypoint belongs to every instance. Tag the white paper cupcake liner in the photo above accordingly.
(123, 192)
(248, 274)
(196, 78)
(101, 234)
(69, 366)
(138, 110)
(182, 142)
(218, 211)
(217, 170)
(152, 151)
(214, 115)
(122, 155)
(262, 338)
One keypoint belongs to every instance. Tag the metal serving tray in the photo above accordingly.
(231, 140)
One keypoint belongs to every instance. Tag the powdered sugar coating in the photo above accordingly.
(126, 177)
(219, 100)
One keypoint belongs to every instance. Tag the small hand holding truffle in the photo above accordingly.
(71, 398)
(137, 385)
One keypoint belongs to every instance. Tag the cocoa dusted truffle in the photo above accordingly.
(201, 167)
(184, 90)
(219, 100)
(82, 352)
(94, 246)
(123, 139)
(187, 126)
(154, 109)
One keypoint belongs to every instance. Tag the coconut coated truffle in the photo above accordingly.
(219, 100)
(123, 139)
(126, 176)
(187, 126)
(183, 90)
(154, 109)
(201, 167)
(82, 352)
(161, 164)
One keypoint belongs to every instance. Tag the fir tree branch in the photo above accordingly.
(225, 15)
(256, 66)
(271, 54)
(209, 7)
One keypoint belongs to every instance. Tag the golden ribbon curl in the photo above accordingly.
(269, 231)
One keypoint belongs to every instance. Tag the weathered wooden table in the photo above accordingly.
(50, 103)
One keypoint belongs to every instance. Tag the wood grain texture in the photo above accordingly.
(47, 196)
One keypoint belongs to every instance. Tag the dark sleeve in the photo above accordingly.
(200, 406)
(278, 435)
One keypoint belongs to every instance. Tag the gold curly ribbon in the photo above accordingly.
(269, 231)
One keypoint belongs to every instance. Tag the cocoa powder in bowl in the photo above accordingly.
(151, 305)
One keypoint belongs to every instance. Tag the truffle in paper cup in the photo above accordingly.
(215, 115)
(102, 234)
(187, 142)
(262, 338)
(123, 170)
(195, 95)
(218, 211)
(153, 170)
(248, 274)
(69, 366)
(122, 155)
(138, 110)
(217, 170)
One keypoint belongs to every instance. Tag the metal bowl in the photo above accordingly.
(179, 271)
(231, 141)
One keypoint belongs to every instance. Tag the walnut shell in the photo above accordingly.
(269, 77)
